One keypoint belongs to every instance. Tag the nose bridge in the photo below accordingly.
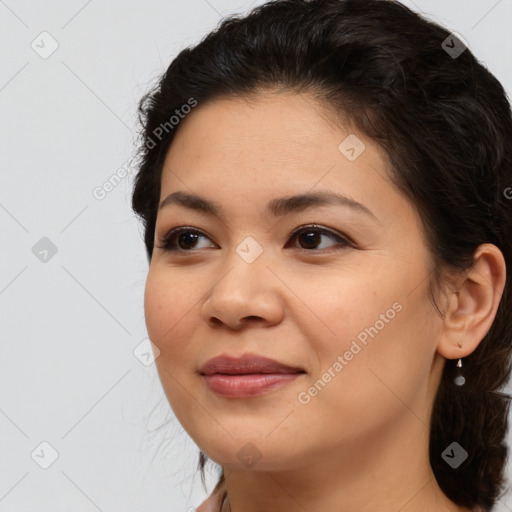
(249, 250)
(244, 289)
(246, 264)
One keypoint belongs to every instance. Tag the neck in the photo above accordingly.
(392, 472)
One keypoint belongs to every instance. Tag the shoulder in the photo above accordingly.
(212, 503)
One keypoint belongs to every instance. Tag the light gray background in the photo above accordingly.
(70, 324)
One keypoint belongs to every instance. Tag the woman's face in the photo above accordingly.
(345, 301)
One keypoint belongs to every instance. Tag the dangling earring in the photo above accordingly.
(459, 380)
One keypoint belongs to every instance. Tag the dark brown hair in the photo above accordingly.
(446, 125)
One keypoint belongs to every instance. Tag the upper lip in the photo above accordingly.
(246, 364)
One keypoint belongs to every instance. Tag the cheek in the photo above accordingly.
(169, 313)
(168, 309)
(155, 308)
(385, 362)
(380, 330)
(348, 306)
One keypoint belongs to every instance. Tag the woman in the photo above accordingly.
(325, 191)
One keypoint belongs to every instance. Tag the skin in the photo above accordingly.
(360, 444)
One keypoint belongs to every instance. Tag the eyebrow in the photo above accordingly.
(276, 207)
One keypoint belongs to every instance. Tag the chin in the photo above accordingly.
(247, 455)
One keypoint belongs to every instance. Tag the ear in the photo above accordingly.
(473, 303)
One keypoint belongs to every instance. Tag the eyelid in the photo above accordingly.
(165, 240)
(323, 230)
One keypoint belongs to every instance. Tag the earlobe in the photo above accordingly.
(472, 306)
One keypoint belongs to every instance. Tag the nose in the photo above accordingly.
(246, 294)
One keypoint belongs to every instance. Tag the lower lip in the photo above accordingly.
(243, 386)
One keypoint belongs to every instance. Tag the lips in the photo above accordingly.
(248, 376)
(245, 365)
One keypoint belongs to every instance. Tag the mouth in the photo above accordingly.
(249, 384)
(246, 364)
(247, 376)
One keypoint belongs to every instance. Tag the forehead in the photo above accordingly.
(267, 133)
(275, 144)
(282, 119)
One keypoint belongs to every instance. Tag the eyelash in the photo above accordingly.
(167, 243)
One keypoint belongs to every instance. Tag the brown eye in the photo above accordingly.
(187, 240)
(181, 239)
(310, 237)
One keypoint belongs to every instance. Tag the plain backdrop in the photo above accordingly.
(77, 394)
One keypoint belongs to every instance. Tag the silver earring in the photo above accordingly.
(459, 380)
